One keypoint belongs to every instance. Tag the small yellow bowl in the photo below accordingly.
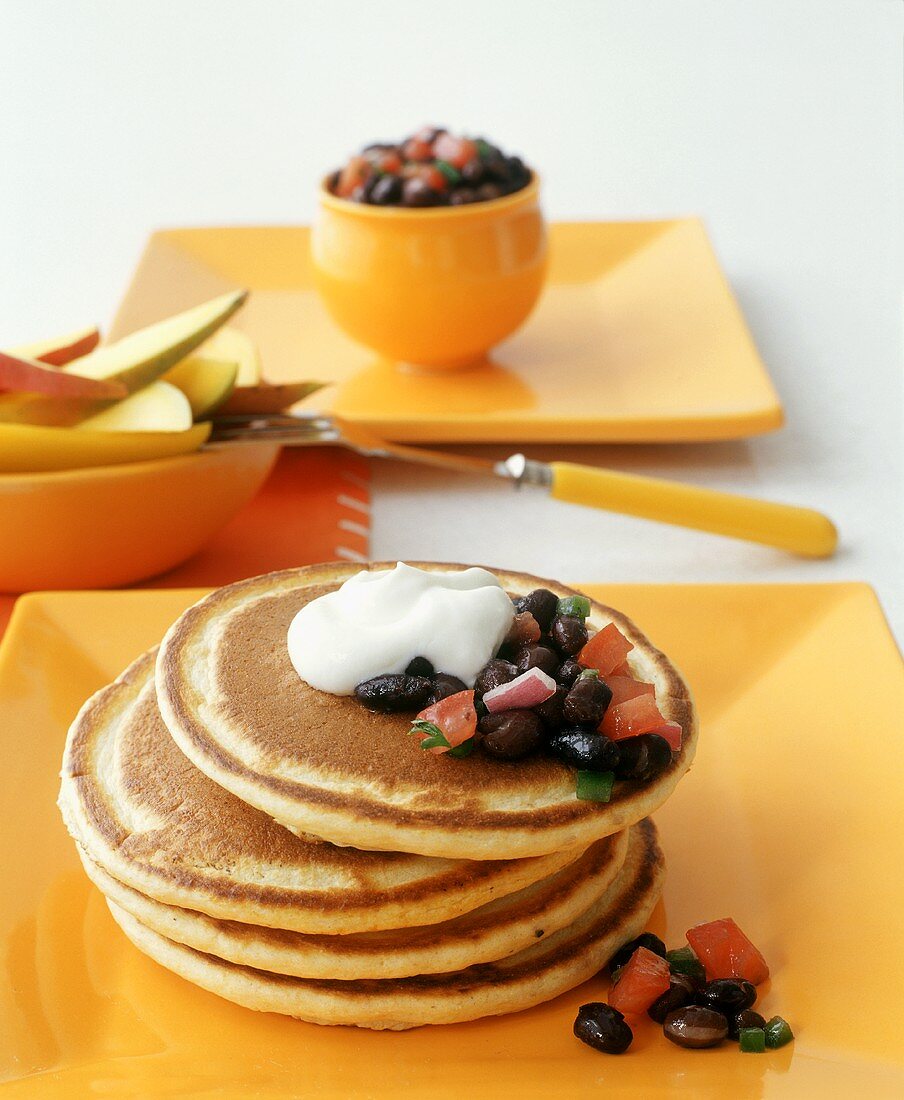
(438, 286)
(112, 525)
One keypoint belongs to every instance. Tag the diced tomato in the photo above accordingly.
(455, 150)
(726, 952)
(525, 630)
(432, 177)
(455, 716)
(624, 669)
(386, 160)
(624, 688)
(671, 732)
(417, 149)
(353, 175)
(631, 718)
(605, 651)
(643, 978)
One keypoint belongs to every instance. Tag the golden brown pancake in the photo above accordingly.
(495, 930)
(536, 974)
(323, 764)
(145, 814)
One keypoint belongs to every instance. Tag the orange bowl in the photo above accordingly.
(112, 525)
(437, 287)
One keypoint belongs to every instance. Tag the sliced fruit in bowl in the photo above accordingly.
(206, 383)
(35, 448)
(99, 478)
(60, 350)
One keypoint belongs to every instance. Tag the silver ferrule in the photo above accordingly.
(525, 471)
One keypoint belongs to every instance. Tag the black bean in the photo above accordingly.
(537, 656)
(541, 603)
(587, 701)
(518, 170)
(487, 191)
(461, 196)
(386, 190)
(332, 181)
(695, 1027)
(394, 692)
(510, 734)
(682, 991)
(646, 939)
(494, 674)
(603, 1027)
(444, 685)
(415, 192)
(585, 749)
(473, 171)
(419, 666)
(569, 634)
(551, 709)
(643, 757)
(569, 671)
(748, 1018)
(728, 995)
(496, 168)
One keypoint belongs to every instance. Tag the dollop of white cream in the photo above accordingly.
(377, 622)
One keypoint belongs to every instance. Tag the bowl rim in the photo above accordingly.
(472, 211)
(36, 478)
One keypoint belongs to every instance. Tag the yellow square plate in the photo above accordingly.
(637, 338)
(789, 821)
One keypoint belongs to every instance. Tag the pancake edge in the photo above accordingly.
(432, 999)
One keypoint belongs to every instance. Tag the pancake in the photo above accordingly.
(323, 764)
(537, 974)
(140, 810)
(493, 931)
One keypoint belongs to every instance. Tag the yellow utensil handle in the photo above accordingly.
(800, 530)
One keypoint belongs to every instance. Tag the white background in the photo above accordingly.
(777, 120)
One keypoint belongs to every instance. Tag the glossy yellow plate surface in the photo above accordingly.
(637, 338)
(789, 821)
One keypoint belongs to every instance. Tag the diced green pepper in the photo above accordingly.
(595, 786)
(483, 148)
(577, 606)
(778, 1033)
(451, 173)
(752, 1040)
(684, 961)
(589, 674)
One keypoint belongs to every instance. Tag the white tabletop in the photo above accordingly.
(778, 121)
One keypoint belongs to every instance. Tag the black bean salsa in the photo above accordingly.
(554, 688)
(701, 994)
(431, 168)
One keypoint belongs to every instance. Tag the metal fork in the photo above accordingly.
(789, 527)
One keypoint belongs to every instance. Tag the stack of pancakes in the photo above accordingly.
(296, 853)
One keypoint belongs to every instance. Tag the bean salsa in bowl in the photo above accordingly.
(432, 250)
(432, 167)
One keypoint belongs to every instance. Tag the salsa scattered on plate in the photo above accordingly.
(700, 994)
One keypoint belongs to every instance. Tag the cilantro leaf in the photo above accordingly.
(435, 738)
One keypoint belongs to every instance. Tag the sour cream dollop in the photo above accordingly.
(377, 622)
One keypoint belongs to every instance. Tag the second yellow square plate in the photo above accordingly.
(637, 338)
(789, 821)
